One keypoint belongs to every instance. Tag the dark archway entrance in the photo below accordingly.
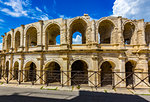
(105, 30)
(17, 40)
(8, 43)
(106, 74)
(52, 31)
(16, 69)
(53, 73)
(31, 38)
(30, 71)
(128, 32)
(129, 73)
(7, 69)
(79, 73)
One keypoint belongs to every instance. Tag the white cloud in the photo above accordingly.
(38, 9)
(132, 9)
(77, 40)
(1, 46)
(19, 8)
(14, 14)
(1, 20)
(44, 17)
(64, 17)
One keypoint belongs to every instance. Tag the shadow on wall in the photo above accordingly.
(84, 96)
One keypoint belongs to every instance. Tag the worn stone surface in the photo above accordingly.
(114, 40)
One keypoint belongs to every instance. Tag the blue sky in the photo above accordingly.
(13, 13)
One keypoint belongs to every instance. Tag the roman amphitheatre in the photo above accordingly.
(114, 52)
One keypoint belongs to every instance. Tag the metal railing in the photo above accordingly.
(80, 78)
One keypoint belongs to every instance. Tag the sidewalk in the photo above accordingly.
(140, 91)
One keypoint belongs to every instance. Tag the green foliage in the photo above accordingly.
(49, 88)
(78, 87)
(72, 88)
(1, 83)
(115, 89)
(42, 87)
(105, 91)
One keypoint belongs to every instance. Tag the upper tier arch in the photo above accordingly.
(78, 24)
(87, 28)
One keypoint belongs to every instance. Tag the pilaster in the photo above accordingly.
(40, 35)
(63, 35)
(12, 40)
(120, 37)
(22, 44)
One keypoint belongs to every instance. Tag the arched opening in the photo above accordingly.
(53, 73)
(77, 38)
(16, 70)
(79, 73)
(147, 34)
(1, 72)
(78, 26)
(31, 37)
(7, 69)
(17, 40)
(129, 68)
(105, 30)
(128, 32)
(8, 42)
(30, 71)
(53, 34)
(106, 73)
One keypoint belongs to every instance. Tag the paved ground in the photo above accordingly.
(13, 94)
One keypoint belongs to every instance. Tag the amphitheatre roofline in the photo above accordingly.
(85, 16)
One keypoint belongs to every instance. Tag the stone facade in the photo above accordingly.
(111, 44)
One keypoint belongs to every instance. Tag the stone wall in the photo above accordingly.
(116, 40)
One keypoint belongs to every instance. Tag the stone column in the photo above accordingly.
(40, 36)
(3, 43)
(141, 70)
(120, 37)
(65, 71)
(45, 41)
(3, 65)
(96, 34)
(22, 76)
(40, 69)
(63, 35)
(141, 32)
(25, 41)
(92, 35)
(12, 40)
(11, 66)
(22, 44)
(93, 75)
(93, 32)
(120, 71)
